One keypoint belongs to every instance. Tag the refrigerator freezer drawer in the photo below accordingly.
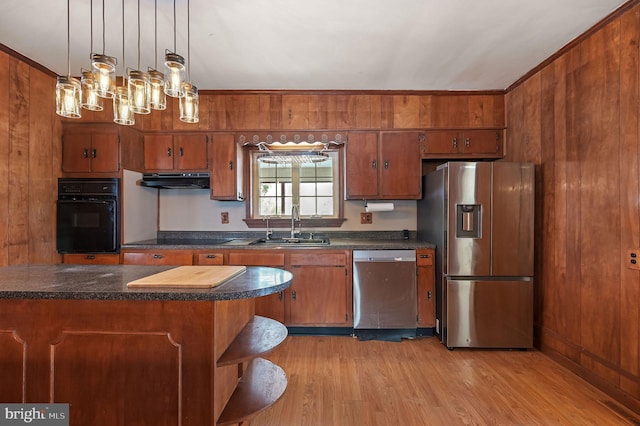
(488, 313)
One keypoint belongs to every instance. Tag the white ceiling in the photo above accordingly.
(313, 44)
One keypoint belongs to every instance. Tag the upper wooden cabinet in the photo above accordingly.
(388, 167)
(175, 152)
(462, 144)
(90, 149)
(226, 168)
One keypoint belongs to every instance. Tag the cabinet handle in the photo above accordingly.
(168, 152)
(425, 256)
(293, 295)
(211, 256)
(467, 142)
(94, 153)
(158, 256)
(230, 165)
(429, 295)
(85, 153)
(454, 142)
(181, 152)
(386, 164)
(90, 257)
(374, 164)
(279, 295)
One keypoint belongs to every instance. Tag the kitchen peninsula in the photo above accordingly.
(165, 356)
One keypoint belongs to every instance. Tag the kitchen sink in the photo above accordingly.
(291, 241)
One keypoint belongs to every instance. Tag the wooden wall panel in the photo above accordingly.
(30, 158)
(4, 158)
(629, 190)
(18, 162)
(599, 100)
(42, 170)
(578, 119)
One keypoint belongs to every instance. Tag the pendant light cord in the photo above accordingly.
(174, 26)
(103, 28)
(68, 39)
(188, 42)
(155, 34)
(124, 68)
(91, 25)
(138, 34)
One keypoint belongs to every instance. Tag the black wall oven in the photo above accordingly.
(88, 215)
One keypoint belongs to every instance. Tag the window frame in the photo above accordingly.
(285, 221)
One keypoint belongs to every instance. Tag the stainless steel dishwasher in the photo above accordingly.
(384, 290)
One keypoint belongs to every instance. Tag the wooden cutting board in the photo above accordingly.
(190, 277)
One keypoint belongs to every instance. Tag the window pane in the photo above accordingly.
(308, 206)
(307, 189)
(325, 206)
(325, 189)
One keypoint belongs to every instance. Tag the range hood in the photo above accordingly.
(175, 180)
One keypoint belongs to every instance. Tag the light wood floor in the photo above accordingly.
(338, 380)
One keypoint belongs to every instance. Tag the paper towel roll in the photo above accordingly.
(379, 207)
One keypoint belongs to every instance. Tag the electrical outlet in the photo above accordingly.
(366, 218)
(633, 259)
(224, 217)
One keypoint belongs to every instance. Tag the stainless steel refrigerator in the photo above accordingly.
(480, 216)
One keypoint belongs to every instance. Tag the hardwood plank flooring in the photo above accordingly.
(339, 380)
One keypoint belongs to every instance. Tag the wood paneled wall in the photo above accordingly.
(30, 155)
(325, 110)
(578, 120)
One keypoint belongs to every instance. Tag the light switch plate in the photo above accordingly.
(224, 217)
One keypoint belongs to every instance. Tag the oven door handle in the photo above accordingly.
(93, 201)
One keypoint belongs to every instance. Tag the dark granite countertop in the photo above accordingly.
(109, 282)
(392, 240)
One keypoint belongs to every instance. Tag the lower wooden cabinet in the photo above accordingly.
(320, 292)
(157, 257)
(426, 288)
(91, 259)
(208, 258)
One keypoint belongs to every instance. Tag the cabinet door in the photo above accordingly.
(361, 170)
(401, 166)
(158, 152)
(190, 152)
(426, 288)
(224, 168)
(76, 152)
(318, 296)
(484, 142)
(208, 259)
(105, 152)
(440, 142)
(167, 257)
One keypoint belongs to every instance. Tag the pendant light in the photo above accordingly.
(122, 113)
(139, 86)
(158, 99)
(189, 102)
(90, 99)
(104, 68)
(68, 89)
(175, 66)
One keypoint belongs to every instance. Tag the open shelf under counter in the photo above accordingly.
(260, 336)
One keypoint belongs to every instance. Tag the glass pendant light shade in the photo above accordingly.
(90, 99)
(122, 113)
(189, 104)
(104, 74)
(158, 99)
(139, 92)
(175, 75)
(68, 94)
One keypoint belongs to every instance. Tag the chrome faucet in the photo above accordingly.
(269, 231)
(295, 215)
